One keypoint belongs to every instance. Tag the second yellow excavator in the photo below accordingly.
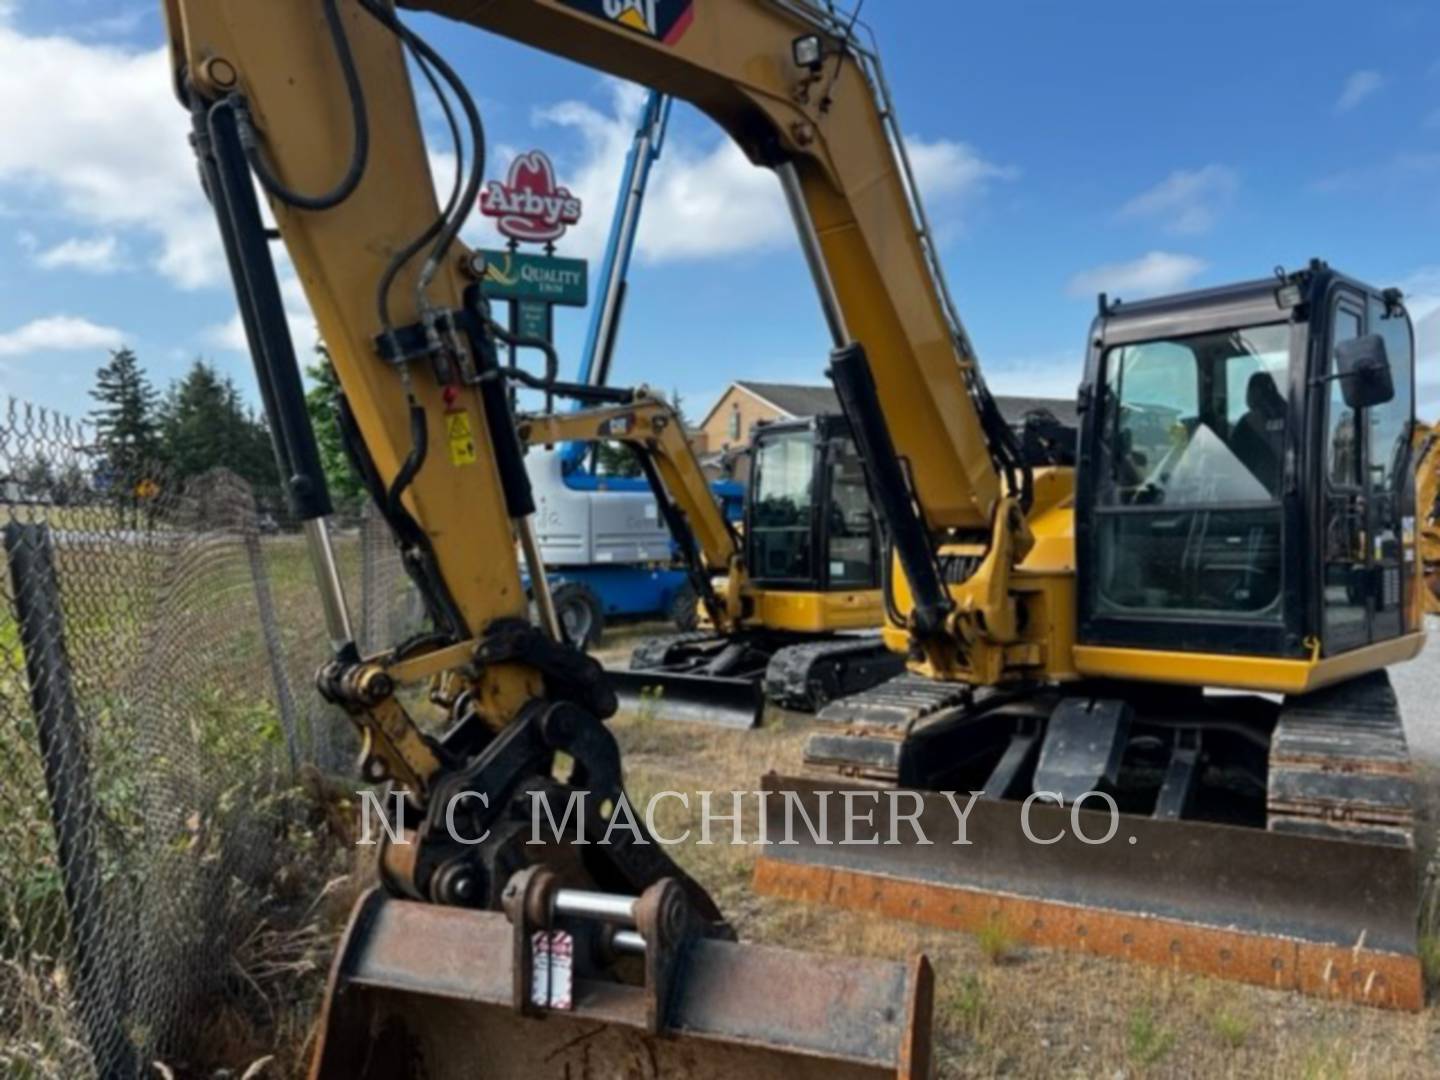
(1427, 509)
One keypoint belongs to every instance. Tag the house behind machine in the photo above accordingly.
(722, 436)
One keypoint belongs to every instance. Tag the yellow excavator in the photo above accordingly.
(1427, 506)
(527, 923)
(1189, 628)
(810, 601)
(791, 609)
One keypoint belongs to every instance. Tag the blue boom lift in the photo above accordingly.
(604, 544)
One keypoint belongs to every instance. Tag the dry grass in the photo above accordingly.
(1001, 1010)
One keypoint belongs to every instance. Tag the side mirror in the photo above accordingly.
(1363, 367)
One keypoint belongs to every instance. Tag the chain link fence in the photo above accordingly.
(156, 713)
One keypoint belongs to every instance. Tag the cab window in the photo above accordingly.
(1390, 422)
(851, 524)
(782, 501)
(1191, 465)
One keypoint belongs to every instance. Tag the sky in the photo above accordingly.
(1062, 149)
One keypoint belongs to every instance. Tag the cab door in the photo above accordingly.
(1364, 461)
(1345, 516)
(850, 535)
(1390, 495)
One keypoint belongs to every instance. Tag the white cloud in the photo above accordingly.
(101, 140)
(1359, 86)
(58, 332)
(708, 200)
(1399, 170)
(1151, 274)
(96, 255)
(1187, 202)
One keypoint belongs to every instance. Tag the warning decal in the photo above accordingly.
(462, 439)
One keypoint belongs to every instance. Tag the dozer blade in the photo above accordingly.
(427, 991)
(1327, 917)
(699, 699)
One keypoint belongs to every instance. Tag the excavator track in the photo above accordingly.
(808, 677)
(657, 652)
(863, 736)
(1340, 767)
(1316, 890)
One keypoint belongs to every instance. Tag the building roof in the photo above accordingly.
(795, 400)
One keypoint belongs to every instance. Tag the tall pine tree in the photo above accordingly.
(204, 425)
(125, 424)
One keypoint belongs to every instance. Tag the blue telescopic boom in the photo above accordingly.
(605, 318)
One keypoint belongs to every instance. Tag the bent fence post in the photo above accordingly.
(29, 550)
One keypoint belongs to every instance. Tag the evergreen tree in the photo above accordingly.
(204, 424)
(346, 491)
(125, 425)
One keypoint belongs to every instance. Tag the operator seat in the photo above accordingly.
(1259, 437)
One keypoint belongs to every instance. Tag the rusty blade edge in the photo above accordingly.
(1353, 973)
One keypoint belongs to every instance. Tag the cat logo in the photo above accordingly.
(665, 20)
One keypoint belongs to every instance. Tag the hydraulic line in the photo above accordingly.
(387, 279)
(250, 141)
(452, 228)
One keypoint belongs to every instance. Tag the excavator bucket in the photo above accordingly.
(444, 993)
(1328, 917)
(701, 699)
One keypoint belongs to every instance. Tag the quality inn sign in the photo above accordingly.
(510, 275)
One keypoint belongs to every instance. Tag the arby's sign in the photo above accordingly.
(529, 206)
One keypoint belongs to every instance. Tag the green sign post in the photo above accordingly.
(533, 320)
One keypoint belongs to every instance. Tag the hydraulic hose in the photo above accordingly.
(250, 139)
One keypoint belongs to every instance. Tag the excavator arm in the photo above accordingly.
(487, 941)
(800, 93)
(708, 545)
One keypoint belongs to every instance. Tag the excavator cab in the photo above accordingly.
(1244, 477)
(811, 599)
(808, 523)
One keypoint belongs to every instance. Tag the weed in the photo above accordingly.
(996, 942)
(1325, 1061)
(1150, 1040)
(1430, 960)
(965, 1006)
(1232, 1028)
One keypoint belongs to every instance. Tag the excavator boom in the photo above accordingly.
(611, 953)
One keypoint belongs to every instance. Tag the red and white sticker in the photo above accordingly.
(552, 976)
